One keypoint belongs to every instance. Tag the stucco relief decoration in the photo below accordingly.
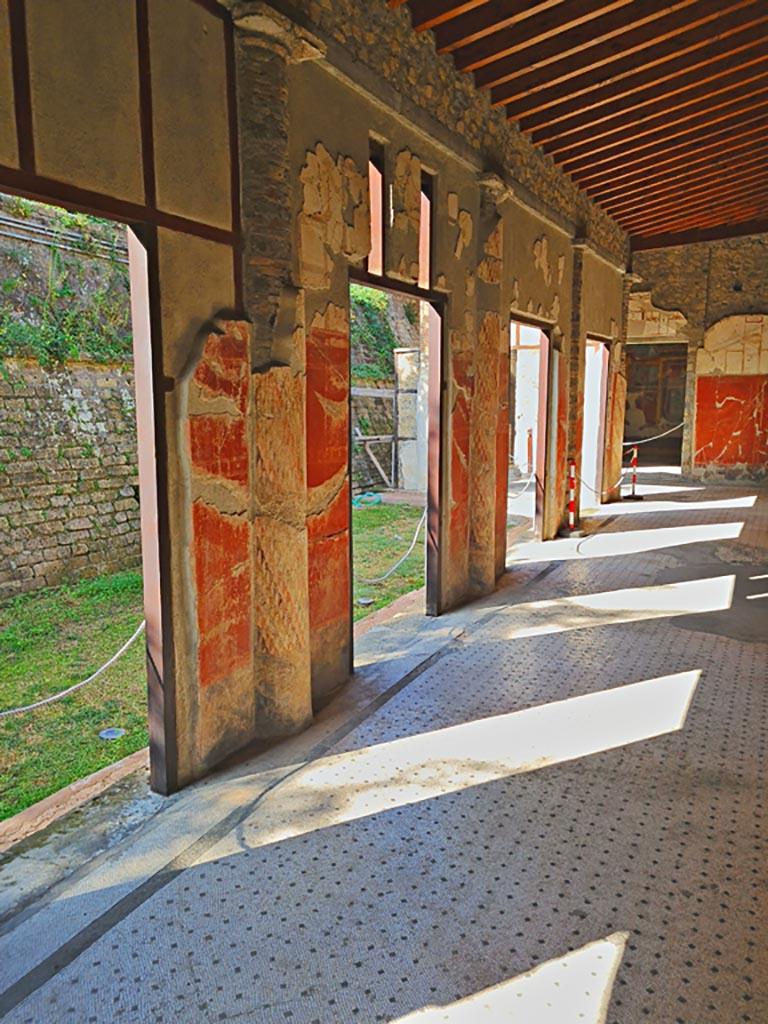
(541, 258)
(465, 229)
(334, 220)
(644, 320)
(735, 345)
(453, 207)
(489, 269)
(406, 215)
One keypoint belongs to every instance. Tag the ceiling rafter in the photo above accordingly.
(743, 155)
(540, 108)
(609, 63)
(588, 50)
(720, 175)
(657, 109)
(581, 158)
(693, 200)
(599, 122)
(675, 154)
(745, 96)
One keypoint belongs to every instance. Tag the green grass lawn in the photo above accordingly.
(53, 638)
(381, 534)
(48, 641)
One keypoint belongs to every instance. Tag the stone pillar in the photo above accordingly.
(576, 365)
(488, 481)
(266, 44)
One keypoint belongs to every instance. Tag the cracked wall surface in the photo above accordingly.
(715, 295)
(731, 413)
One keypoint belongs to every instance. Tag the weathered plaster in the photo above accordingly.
(9, 154)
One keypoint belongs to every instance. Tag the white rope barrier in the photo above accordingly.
(645, 440)
(399, 562)
(71, 689)
(519, 494)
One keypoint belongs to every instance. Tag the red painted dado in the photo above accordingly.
(223, 369)
(332, 520)
(329, 580)
(222, 551)
(458, 527)
(327, 404)
(219, 448)
(731, 421)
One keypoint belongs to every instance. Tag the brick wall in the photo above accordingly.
(68, 479)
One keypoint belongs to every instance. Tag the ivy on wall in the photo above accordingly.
(372, 335)
(64, 286)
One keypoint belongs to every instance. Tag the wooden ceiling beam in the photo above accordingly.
(724, 171)
(633, 140)
(724, 220)
(692, 198)
(641, 243)
(749, 131)
(654, 30)
(430, 13)
(676, 120)
(744, 153)
(568, 28)
(591, 92)
(516, 25)
(697, 89)
(484, 21)
(704, 211)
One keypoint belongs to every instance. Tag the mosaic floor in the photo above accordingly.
(557, 818)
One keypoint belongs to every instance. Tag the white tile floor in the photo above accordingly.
(559, 819)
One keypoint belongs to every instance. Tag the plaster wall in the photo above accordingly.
(252, 414)
(86, 127)
(190, 86)
(84, 147)
(9, 153)
(714, 295)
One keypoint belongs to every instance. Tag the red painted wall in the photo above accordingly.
(731, 421)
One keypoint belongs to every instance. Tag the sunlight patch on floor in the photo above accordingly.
(633, 508)
(635, 604)
(573, 989)
(628, 542)
(359, 783)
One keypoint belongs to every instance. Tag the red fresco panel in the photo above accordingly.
(219, 448)
(327, 404)
(327, 457)
(731, 420)
(223, 583)
(223, 370)
(329, 574)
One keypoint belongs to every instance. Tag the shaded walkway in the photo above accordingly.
(546, 808)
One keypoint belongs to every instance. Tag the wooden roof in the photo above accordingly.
(658, 110)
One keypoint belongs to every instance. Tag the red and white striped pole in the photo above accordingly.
(633, 495)
(634, 470)
(571, 531)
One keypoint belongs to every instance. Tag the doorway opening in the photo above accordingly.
(529, 430)
(597, 357)
(78, 481)
(656, 377)
(395, 343)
